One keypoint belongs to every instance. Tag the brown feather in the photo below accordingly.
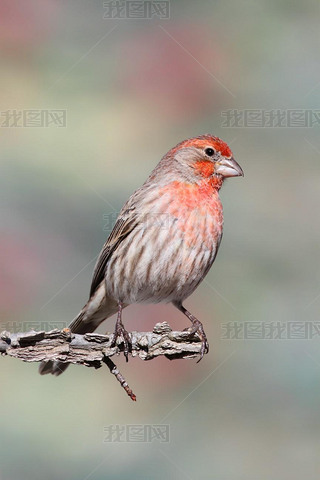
(120, 231)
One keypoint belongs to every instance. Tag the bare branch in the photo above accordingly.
(92, 348)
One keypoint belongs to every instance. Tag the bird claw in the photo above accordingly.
(120, 331)
(197, 327)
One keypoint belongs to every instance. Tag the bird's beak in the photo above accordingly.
(228, 167)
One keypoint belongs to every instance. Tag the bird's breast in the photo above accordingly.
(197, 211)
(171, 250)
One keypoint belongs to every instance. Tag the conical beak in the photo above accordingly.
(228, 167)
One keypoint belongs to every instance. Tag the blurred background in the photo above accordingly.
(92, 95)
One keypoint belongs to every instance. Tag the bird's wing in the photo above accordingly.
(125, 223)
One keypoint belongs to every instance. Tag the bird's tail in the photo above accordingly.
(97, 309)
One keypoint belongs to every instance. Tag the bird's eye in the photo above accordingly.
(209, 151)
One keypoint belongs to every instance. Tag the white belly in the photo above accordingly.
(158, 265)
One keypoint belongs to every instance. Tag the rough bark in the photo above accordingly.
(91, 349)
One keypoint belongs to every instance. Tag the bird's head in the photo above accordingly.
(204, 157)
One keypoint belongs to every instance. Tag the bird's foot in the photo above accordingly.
(197, 327)
(120, 331)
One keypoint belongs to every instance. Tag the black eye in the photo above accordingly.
(209, 151)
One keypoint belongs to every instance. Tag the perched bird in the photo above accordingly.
(164, 241)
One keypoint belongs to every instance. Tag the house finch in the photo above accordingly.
(164, 241)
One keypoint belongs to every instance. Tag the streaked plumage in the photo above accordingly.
(165, 239)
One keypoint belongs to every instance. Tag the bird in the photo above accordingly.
(164, 241)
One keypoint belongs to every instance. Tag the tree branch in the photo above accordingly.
(93, 349)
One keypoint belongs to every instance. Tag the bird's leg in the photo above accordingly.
(120, 330)
(196, 327)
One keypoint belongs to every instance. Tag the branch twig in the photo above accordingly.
(93, 349)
